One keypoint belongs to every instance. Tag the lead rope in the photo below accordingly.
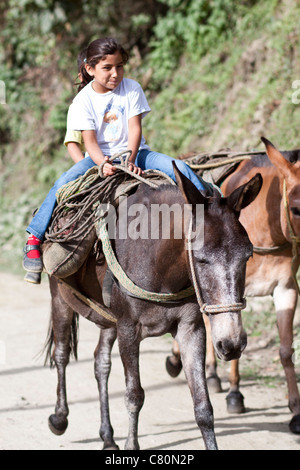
(205, 308)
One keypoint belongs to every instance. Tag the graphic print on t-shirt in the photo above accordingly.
(113, 122)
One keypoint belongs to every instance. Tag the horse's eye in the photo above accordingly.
(201, 260)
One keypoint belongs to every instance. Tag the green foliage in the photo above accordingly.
(241, 89)
(191, 27)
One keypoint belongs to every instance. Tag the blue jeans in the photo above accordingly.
(146, 160)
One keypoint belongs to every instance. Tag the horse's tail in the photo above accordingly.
(48, 348)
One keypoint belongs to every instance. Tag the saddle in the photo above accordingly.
(72, 231)
(215, 167)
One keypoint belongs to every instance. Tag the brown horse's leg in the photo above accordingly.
(192, 343)
(102, 371)
(62, 319)
(134, 397)
(213, 381)
(285, 304)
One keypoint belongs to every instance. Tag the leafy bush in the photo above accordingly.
(191, 27)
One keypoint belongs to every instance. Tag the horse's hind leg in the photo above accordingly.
(63, 319)
(102, 371)
(173, 363)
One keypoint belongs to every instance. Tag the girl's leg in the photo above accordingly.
(40, 222)
(32, 261)
(149, 160)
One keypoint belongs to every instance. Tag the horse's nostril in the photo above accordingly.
(220, 346)
(228, 351)
(295, 211)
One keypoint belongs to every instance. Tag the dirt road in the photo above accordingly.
(28, 391)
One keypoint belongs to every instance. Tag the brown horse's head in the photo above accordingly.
(290, 187)
(220, 261)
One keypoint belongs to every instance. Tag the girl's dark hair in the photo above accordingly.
(96, 51)
(81, 59)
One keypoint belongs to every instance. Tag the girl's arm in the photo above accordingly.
(75, 152)
(134, 140)
(96, 153)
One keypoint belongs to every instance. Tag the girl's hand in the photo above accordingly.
(135, 169)
(108, 168)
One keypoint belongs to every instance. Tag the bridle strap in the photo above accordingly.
(206, 308)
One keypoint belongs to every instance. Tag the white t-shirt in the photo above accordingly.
(108, 114)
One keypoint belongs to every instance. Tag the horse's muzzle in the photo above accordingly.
(227, 350)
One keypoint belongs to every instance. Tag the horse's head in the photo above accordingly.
(219, 260)
(290, 187)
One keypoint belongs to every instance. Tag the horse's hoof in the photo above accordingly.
(295, 424)
(235, 403)
(173, 366)
(57, 426)
(214, 384)
(111, 447)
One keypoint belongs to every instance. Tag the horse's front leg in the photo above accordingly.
(213, 380)
(285, 301)
(102, 371)
(129, 348)
(192, 342)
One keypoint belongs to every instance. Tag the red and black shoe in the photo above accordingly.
(32, 261)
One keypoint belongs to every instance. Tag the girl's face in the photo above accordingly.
(108, 73)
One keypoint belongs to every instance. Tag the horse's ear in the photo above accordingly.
(277, 158)
(189, 191)
(245, 194)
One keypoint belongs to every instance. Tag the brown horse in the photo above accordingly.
(273, 225)
(162, 265)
